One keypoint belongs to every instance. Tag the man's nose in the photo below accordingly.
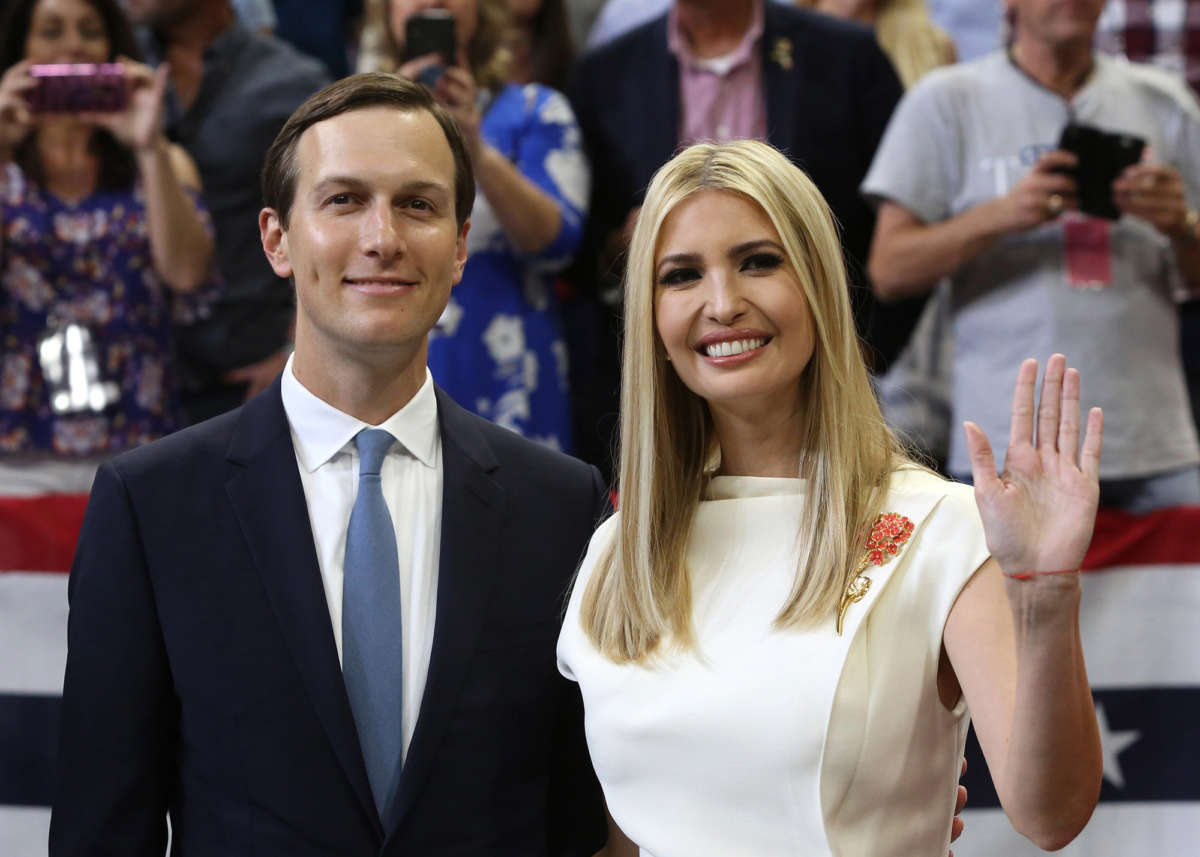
(382, 234)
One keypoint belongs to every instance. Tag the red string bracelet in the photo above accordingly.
(1030, 575)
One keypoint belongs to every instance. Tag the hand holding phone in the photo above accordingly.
(16, 120)
(427, 33)
(1103, 156)
(1155, 193)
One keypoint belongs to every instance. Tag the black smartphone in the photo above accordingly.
(78, 88)
(430, 32)
(1103, 155)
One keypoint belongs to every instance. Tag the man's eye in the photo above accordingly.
(338, 199)
(420, 204)
(679, 276)
(762, 262)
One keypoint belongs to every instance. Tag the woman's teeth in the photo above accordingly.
(736, 346)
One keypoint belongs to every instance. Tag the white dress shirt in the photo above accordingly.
(323, 438)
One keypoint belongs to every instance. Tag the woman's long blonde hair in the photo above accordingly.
(639, 592)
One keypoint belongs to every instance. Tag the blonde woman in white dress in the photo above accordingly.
(783, 633)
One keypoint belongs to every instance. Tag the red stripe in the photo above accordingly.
(39, 533)
(1166, 537)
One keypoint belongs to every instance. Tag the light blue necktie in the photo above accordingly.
(371, 616)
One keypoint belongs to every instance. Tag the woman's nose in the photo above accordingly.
(726, 302)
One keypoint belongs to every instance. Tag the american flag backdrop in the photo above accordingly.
(1141, 632)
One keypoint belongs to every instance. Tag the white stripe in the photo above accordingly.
(23, 831)
(1139, 626)
(33, 634)
(1116, 830)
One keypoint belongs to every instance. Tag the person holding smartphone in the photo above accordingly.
(974, 182)
(498, 348)
(102, 226)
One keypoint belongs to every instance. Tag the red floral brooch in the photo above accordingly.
(888, 534)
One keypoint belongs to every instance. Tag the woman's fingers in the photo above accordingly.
(1068, 424)
(1021, 428)
(1049, 405)
(983, 462)
(1089, 457)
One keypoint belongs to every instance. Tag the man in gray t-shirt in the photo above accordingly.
(970, 185)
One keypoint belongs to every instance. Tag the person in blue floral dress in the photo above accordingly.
(498, 348)
(101, 229)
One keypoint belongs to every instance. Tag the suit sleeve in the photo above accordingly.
(119, 713)
(576, 804)
(608, 205)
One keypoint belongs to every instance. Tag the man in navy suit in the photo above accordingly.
(815, 87)
(294, 640)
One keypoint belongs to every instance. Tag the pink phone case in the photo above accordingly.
(78, 88)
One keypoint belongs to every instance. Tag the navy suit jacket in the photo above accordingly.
(202, 678)
(830, 91)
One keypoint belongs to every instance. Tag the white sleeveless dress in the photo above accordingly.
(787, 742)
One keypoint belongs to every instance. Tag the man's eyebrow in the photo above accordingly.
(355, 183)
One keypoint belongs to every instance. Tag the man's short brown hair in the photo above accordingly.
(358, 92)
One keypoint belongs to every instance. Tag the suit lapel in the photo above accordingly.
(268, 500)
(783, 56)
(473, 515)
(655, 106)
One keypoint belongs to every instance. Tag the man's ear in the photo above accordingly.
(274, 242)
(460, 252)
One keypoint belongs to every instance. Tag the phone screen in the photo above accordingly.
(430, 32)
(1103, 156)
(78, 88)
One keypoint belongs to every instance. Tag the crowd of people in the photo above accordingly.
(716, 228)
(139, 227)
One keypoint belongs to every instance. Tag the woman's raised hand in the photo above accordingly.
(139, 125)
(1038, 514)
(16, 120)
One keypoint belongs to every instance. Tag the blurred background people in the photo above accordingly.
(540, 45)
(914, 392)
(322, 29)
(819, 89)
(1165, 33)
(230, 92)
(101, 222)
(971, 184)
(498, 348)
(904, 29)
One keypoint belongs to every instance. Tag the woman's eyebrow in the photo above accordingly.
(680, 259)
(748, 246)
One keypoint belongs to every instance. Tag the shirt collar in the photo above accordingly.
(322, 431)
(678, 45)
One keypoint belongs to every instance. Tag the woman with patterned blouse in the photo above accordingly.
(101, 224)
(498, 348)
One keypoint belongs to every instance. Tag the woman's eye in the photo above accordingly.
(762, 262)
(679, 276)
